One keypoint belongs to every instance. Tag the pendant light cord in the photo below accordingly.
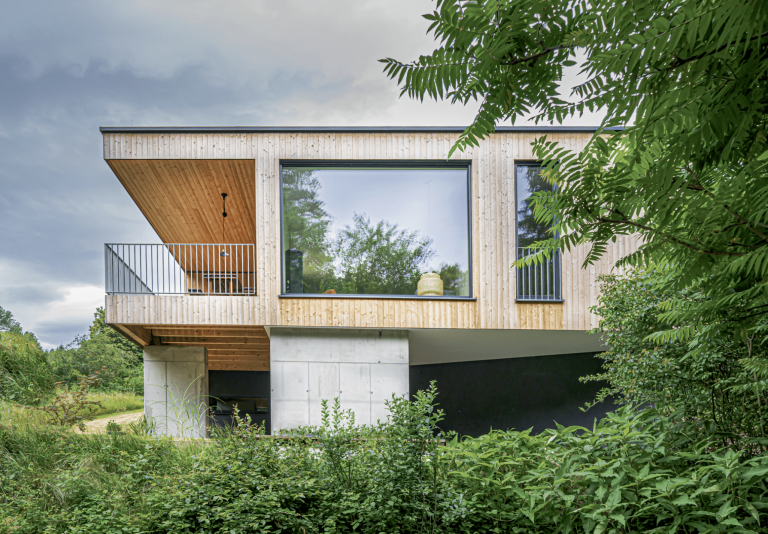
(223, 215)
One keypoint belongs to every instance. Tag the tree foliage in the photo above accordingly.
(25, 374)
(8, 323)
(689, 174)
(118, 361)
(380, 259)
(360, 258)
(713, 384)
(306, 224)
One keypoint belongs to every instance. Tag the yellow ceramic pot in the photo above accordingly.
(430, 285)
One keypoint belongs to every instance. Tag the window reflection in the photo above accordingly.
(539, 281)
(529, 181)
(374, 231)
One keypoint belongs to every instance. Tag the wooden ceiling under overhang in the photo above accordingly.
(230, 348)
(181, 198)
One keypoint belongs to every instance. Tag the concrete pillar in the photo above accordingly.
(362, 367)
(176, 390)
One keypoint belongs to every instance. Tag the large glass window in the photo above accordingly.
(369, 230)
(538, 282)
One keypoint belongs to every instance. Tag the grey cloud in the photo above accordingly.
(67, 68)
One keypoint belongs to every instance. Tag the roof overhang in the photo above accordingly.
(344, 129)
(181, 198)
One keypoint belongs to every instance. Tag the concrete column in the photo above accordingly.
(176, 390)
(362, 367)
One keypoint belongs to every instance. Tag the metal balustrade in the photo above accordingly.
(180, 268)
(539, 281)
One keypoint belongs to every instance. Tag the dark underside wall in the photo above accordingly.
(240, 384)
(517, 393)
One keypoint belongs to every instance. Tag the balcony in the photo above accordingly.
(539, 282)
(180, 269)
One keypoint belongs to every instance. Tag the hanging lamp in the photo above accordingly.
(223, 253)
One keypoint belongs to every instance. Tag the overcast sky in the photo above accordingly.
(67, 68)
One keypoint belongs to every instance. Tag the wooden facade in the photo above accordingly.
(176, 179)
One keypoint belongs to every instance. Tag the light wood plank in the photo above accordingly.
(176, 180)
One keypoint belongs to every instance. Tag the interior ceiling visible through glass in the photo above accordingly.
(375, 231)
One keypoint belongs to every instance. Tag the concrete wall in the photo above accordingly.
(362, 367)
(176, 390)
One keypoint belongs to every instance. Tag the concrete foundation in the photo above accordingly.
(176, 390)
(363, 368)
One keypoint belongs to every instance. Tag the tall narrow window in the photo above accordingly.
(541, 281)
(379, 230)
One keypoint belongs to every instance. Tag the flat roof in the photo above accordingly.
(343, 129)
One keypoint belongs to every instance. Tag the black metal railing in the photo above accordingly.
(180, 268)
(539, 281)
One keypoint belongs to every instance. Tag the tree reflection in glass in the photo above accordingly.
(530, 180)
(369, 231)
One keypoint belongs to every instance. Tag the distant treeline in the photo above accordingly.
(29, 374)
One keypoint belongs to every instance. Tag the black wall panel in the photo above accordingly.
(240, 384)
(517, 393)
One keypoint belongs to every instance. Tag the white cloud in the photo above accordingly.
(75, 303)
(54, 312)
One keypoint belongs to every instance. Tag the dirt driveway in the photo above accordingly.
(100, 425)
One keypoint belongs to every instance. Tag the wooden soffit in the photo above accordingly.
(181, 199)
(229, 348)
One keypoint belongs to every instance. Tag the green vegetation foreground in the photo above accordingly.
(695, 463)
(633, 472)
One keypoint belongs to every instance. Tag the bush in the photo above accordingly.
(335, 478)
(25, 375)
(70, 408)
(120, 370)
(633, 472)
(720, 380)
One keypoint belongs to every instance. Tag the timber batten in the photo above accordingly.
(193, 168)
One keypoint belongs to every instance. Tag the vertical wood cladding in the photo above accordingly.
(493, 234)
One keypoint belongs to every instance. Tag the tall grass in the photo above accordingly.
(25, 375)
(113, 403)
(49, 474)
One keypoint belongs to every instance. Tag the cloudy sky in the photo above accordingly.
(67, 68)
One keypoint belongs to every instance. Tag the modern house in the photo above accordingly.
(354, 263)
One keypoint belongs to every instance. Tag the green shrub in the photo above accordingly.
(69, 408)
(25, 375)
(119, 362)
(121, 370)
(633, 472)
(338, 477)
(723, 380)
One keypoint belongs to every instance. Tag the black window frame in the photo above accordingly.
(533, 163)
(379, 164)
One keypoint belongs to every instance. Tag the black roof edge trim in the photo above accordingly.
(344, 129)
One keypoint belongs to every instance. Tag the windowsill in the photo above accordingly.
(533, 301)
(369, 297)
